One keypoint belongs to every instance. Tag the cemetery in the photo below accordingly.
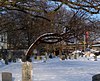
(49, 40)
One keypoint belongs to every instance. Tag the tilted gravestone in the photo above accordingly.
(96, 77)
(27, 71)
(6, 76)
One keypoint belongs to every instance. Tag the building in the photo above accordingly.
(3, 41)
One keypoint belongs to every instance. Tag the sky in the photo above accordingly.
(97, 16)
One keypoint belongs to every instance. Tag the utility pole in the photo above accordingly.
(84, 42)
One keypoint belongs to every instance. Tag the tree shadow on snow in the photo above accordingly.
(13, 79)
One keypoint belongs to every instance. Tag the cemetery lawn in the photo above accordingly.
(55, 70)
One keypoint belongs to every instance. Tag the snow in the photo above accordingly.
(54, 69)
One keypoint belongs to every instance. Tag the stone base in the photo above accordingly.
(27, 71)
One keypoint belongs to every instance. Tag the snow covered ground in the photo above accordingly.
(56, 70)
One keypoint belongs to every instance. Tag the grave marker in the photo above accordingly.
(27, 71)
(6, 76)
(96, 77)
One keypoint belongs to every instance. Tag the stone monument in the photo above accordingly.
(96, 77)
(6, 76)
(27, 71)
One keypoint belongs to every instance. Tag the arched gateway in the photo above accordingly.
(48, 38)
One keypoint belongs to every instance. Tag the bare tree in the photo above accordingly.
(29, 6)
(30, 19)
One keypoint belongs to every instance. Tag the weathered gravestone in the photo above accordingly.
(6, 76)
(27, 71)
(96, 77)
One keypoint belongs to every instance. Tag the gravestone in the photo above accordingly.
(95, 58)
(6, 76)
(96, 77)
(27, 71)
